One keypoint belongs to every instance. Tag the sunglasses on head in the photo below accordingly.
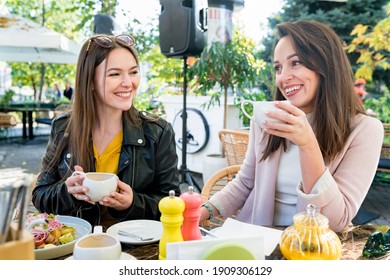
(107, 42)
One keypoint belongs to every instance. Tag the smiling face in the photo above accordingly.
(117, 80)
(297, 83)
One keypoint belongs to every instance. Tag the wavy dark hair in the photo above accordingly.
(320, 49)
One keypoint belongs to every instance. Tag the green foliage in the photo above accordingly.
(227, 65)
(29, 74)
(163, 75)
(381, 178)
(108, 6)
(223, 66)
(381, 106)
(72, 18)
(145, 35)
(254, 96)
(61, 16)
(7, 97)
(373, 45)
(341, 16)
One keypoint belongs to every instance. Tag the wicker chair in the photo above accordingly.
(7, 121)
(235, 143)
(384, 161)
(213, 185)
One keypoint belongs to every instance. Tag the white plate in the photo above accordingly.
(82, 228)
(139, 227)
(124, 256)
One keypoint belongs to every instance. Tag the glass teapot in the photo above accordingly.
(310, 238)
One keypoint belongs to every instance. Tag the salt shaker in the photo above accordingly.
(171, 208)
(190, 229)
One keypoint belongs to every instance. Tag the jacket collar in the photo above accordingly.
(133, 135)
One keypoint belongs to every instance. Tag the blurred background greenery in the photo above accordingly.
(363, 25)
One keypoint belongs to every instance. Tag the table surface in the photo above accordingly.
(26, 106)
(353, 240)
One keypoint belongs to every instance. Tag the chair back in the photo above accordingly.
(7, 120)
(385, 152)
(216, 183)
(384, 161)
(235, 144)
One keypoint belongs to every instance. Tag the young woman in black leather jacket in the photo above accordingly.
(144, 159)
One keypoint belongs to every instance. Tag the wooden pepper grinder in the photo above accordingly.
(190, 229)
(171, 208)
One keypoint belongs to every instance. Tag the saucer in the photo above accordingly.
(124, 256)
(139, 227)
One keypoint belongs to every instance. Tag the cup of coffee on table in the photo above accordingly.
(100, 184)
(97, 246)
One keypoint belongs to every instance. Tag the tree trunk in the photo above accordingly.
(43, 68)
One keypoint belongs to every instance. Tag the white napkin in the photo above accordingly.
(195, 249)
(232, 227)
(259, 240)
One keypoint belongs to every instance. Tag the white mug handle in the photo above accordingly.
(75, 173)
(97, 229)
(243, 103)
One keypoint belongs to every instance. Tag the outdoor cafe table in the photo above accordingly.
(27, 110)
(353, 240)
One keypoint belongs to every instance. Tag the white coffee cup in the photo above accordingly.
(259, 111)
(97, 246)
(100, 184)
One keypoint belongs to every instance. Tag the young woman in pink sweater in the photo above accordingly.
(326, 153)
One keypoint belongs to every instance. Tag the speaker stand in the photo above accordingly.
(185, 174)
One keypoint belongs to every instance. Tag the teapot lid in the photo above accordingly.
(310, 218)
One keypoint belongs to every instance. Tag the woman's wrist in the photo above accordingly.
(210, 209)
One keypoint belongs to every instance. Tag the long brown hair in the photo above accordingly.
(83, 116)
(320, 50)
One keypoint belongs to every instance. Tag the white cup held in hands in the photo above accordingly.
(100, 184)
(259, 111)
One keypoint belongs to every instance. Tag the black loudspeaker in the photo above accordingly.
(183, 27)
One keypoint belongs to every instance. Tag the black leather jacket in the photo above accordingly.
(148, 163)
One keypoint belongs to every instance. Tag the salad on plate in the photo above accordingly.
(48, 231)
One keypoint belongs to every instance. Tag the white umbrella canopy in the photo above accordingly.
(22, 40)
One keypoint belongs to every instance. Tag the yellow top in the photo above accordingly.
(109, 159)
(108, 162)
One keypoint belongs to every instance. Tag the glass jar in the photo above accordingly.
(310, 238)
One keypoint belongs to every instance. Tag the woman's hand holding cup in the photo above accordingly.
(296, 127)
(91, 186)
(75, 186)
(119, 200)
